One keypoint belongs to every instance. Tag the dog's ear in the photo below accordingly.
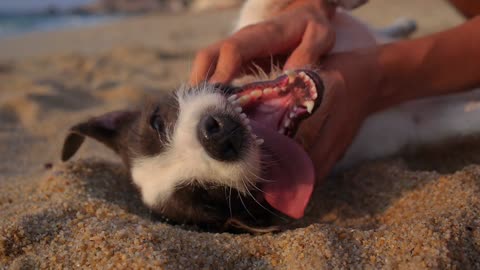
(107, 129)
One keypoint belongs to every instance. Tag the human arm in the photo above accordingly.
(443, 63)
(469, 8)
(362, 82)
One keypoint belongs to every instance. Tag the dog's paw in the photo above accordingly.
(401, 28)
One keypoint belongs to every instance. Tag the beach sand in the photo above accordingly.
(420, 210)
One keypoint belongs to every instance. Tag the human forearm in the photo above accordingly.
(439, 64)
(469, 8)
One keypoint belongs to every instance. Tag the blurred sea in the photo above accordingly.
(14, 24)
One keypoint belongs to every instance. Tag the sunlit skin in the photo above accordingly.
(302, 30)
(357, 83)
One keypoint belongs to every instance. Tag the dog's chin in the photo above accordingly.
(212, 207)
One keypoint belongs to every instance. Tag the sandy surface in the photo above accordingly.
(411, 212)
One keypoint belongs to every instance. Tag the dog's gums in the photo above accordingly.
(281, 103)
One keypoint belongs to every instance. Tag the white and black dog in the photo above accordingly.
(224, 157)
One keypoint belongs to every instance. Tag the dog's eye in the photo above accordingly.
(156, 121)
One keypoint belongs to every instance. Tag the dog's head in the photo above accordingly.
(221, 157)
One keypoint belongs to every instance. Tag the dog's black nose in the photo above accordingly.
(221, 136)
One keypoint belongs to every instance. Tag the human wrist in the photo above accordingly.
(361, 75)
(401, 75)
(385, 89)
(439, 64)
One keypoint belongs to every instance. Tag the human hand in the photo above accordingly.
(352, 91)
(301, 31)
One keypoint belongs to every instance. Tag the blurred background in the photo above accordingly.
(97, 25)
(31, 15)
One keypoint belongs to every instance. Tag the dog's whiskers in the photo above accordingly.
(261, 205)
(244, 206)
(230, 202)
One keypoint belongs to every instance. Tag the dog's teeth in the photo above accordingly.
(310, 84)
(246, 121)
(304, 76)
(291, 75)
(232, 98)
(307, 80)
(309, 104)
(243, 100)
(243, 116)
(238, 109)
(282, 131)
(249, 128)
(287, 123)
(256, 93)
(291, 115)
(279, 89)
(295, 108)
(259, 141)
(267, 91)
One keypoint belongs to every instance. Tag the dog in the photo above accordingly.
(223, 157)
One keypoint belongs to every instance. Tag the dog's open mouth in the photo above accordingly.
(274, 110)
(280, 104)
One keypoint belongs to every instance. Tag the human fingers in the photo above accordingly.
(204, 64)
(256, 41)
(317, 40)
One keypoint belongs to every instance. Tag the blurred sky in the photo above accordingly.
(34, 5)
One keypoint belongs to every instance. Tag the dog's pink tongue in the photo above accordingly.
(290, 173)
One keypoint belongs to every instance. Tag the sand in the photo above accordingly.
(419, 210)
